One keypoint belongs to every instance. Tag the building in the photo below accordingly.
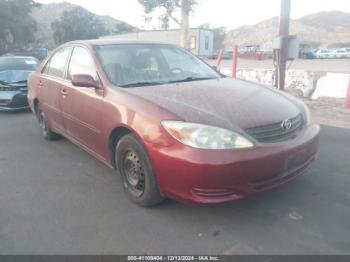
(200, 40)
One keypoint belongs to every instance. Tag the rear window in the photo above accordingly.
(18, 63)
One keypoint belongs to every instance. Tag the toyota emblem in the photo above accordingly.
(286, 124)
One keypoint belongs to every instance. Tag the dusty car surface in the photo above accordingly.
(14, 71)
(171, 125)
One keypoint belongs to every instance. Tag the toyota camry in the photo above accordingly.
(170, 124)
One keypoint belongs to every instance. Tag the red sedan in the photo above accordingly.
(170, 124)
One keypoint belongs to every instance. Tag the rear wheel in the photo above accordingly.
(134, 165)
(44, 126)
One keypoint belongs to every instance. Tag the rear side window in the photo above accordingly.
(56, 65)
(81, 63)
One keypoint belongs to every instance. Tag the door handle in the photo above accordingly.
(40, 84)
(64, 92)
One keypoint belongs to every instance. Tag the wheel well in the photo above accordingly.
(114, 138)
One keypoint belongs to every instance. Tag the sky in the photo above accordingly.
(229, 13)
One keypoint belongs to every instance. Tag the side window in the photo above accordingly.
(81, 63)
(206, 42)
(56, 65)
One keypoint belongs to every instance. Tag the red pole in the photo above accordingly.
(347, 98)
(219, 58)
(234, 61)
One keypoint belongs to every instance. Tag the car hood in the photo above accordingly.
(224, 102)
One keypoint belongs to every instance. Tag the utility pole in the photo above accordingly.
(281, 54)
(184, 30)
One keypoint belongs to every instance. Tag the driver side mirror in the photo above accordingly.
(85, 81)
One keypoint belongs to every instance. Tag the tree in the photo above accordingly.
(170, 6)
(17, 27)
(77, 24)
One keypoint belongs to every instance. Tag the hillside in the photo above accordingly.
(320, 29)
(47, 13)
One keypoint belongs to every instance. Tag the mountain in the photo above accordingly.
(324, 29)
(47, 13)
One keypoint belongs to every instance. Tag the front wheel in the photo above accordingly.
(134, 165)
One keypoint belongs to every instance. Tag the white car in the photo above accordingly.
(347, 51)
(341, 53)
(325, 53)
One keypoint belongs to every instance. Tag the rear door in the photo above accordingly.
(51, 85)
(83, 106)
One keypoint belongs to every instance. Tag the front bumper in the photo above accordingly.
(216, 176)
(13, 101)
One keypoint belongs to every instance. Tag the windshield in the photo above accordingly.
(16, 69)
(129, 65)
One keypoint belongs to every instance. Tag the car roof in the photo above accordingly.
(99, 42)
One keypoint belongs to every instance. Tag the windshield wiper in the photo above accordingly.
(191, 78)
(19, 82)
(4, 82)
(142, 84)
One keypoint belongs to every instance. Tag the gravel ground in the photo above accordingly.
(327, 111)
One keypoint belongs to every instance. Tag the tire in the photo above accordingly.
(135, 168)
(44, 126)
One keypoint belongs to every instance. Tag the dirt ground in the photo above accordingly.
(327, 111)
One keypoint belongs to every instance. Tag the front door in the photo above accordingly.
(83, 106)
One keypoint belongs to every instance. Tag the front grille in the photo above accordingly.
(9, 88)
(275, 132)
(4, 102)
(13, 88)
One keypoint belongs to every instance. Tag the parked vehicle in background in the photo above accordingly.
(346, 52)
(227, 54)
(170, 124)
(325, 53)
(14, 72)
(340, 53)
(307, 54)
(38, 53)
(306, 51)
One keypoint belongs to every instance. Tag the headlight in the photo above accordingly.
(205, 137)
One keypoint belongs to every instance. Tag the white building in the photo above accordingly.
(201, 40)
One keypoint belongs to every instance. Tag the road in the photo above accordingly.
(57, 199)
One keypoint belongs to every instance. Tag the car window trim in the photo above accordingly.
(65, 65)
(91, 58)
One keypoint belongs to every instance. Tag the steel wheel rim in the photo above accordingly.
(42, 123)
(133, 173)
